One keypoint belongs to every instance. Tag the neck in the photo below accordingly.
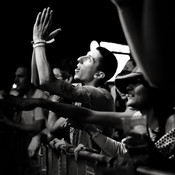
(152, 121)
(92, 83)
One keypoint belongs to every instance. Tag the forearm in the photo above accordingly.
(34, 71)
(59, 125)
(131, 15)
(56, 123)
(114, 148)
(44, 71)
(67, 110)
(84, 115)
(130, 18)
(108, 146)
(30, 128)
(73, 112)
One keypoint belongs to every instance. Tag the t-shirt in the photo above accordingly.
(27, 117)
(96, 98)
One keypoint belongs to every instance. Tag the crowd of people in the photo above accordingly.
(77, 110)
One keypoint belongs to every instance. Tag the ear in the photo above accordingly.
(99, 75)
(70, 79)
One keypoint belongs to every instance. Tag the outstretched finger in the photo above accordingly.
(46, 16)
(43, 14)
(38, 18)
(48, 19)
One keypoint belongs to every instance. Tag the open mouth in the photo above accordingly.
(77, 70)
(130, 95)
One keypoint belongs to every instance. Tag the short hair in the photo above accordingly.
(27, 68)
(108, 63)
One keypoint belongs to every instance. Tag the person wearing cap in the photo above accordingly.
(148, 27)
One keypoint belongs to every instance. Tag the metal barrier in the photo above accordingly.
(62, 162)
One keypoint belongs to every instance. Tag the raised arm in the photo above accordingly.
(40, 39)
(149, 28)
(40, 33)
(34, 71)
(40, 64)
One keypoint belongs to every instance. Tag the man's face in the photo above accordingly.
(21, 79)
(87, 66)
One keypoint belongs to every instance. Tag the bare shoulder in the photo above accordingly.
(170, 124)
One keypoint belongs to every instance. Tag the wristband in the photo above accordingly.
(38, 41)
(43, 41)
(39, 44)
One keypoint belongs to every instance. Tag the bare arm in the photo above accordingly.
(34, 71)
(110, 146)
(71, 111)
(170, 124)
(34, 128)
(56, 123)
(40, 65)
(148, 27)
(41, 35)
(42, 74)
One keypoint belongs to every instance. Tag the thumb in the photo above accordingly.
(51, 36)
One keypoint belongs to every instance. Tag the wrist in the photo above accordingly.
(93, 133)
(39, 43)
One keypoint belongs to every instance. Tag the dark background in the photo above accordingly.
(81, 21)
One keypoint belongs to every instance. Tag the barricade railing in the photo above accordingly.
(63, 162)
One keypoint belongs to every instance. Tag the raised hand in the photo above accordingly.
(60, 144)
(42, 24)
(34, 146)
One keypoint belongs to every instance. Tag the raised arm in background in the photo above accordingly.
(149, 26)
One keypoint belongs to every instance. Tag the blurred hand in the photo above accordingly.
(34, 146)
(4, 120)
(80, 147)
(60, 144)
